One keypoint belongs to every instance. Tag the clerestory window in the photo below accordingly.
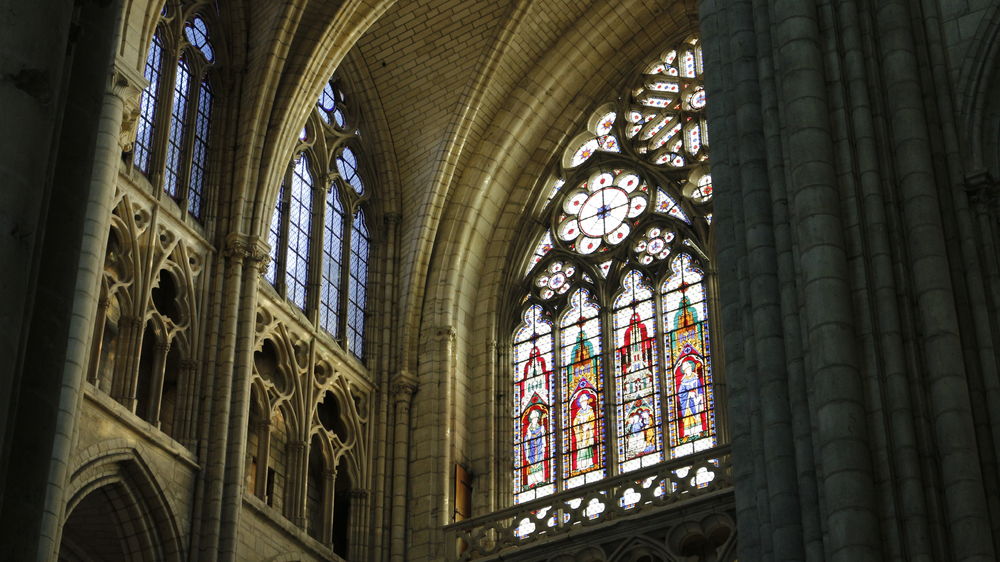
(612, 354)
(319, 234)
(175, 110)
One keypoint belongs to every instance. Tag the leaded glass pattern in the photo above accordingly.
(333, 243)
(611, 354)
(299, 233)
(583, 386)
(274, 236)
(178, 125)
(691, 400)
(179, 102)
(329, 225)
(357, 287)
(199, 158)
(142, 152)
(534, 422)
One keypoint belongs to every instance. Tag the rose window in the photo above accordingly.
(596, 214)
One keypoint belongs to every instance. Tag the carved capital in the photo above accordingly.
(188, 365)
(359, 494)
(250, 250)
(393, 219)
(446, 333)
(404, 390)
(983, 191)
(126, 84)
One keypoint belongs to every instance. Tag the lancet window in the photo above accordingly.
(174, 126)
(319, 234)
(611, 354)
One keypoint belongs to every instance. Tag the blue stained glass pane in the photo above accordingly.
(178, 126)
(356, 292)
(199, 160)
(197, 34)
(347, 165)
(274, 236)
(327, 103)
(333, 247)
(147, 106)
(299, 227)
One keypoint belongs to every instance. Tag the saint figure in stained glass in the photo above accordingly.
(690, 380)
(583, 430)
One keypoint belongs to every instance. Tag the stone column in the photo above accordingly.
(253, 254)
(357, 545)
(63, 101)
(402, 391)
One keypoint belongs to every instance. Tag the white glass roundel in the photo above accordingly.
(604, 211)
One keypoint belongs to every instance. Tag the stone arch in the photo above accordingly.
(114, 475)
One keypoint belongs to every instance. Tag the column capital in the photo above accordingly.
(983, 190)
(249, 250)
(445, 333)
(127, 84)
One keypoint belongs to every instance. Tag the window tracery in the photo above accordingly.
(175, 109)
(319, 235)
(611, 353)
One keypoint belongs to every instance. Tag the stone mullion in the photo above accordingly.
(933, 290)
(327, 498)
(609, 397)
(714, 23)
(127, 372)
(97, 343)
(263, 457)
(186, 413)
(296, 482)
(555, 406)
(156, 384)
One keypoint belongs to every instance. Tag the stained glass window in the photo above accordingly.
(333, 243)
(175, 139)
(612, 366)
(329, 224)
(274, 235)
(199, 159)
(357, 296)
(181, 102)
(147, 105)
(299, 233)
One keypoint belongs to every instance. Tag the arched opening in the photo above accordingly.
(104, 373)
(330, 416)
(164, 297)
(108, 524)
(170, 400)
(315, 489)
(342, 509)
(144, 378)
(256, 429)
(277, 460)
